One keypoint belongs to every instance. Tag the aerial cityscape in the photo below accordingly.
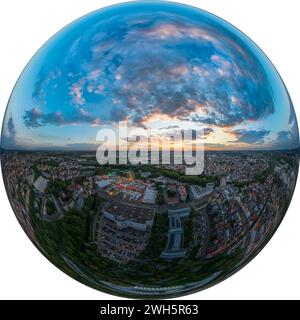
(146, 223)
(155, 228)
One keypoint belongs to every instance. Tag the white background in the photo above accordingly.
(26, 25)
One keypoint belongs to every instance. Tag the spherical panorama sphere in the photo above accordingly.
(150, 149)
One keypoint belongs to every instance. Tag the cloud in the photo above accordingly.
(76, 93)
(190, 134)
(208, 131)
(159, 64)
(42, 81)
(215, 146)
(146, 67)
(159, 90)
(250, 136)
(82, 146)
(289, 138)
(9, 134)
(286, 139)
(35, 118)
(170, 127)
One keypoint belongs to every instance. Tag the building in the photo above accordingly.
(130, 175)
(78, 197)
(182, 193)
(174, 244)
(181, 212)
(223, 182)
(149, 196)
(145, 174)
(41, 184)
(210, 186)
(127, 216)
(102, 183)
(88, 186)
(30, 178)
(171, 195)
(123, 231)
(199, 193)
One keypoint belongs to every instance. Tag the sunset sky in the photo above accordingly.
(154, 65)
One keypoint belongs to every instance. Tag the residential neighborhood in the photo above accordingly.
(142, 220)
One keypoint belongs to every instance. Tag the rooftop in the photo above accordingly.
(41, 184)
(128, 212)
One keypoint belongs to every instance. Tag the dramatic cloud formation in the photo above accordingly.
(286, 140)
(160, 64)
(162, 68)
(206, 80)
(250, 136)
(35, 118)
